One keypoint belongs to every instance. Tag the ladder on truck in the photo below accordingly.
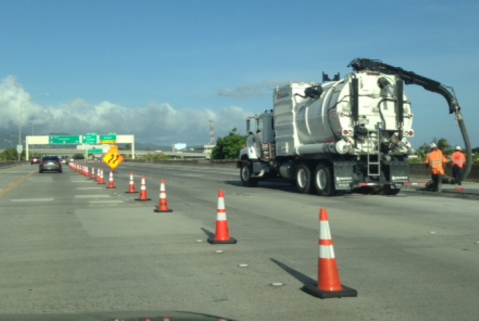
(373, 155)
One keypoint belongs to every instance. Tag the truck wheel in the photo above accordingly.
(246, 171)
(324, 180)
(303, 178)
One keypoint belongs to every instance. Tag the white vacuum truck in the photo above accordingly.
(340, 135)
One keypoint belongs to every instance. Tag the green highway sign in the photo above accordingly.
(95, 151)
(90, 139)
(108, 139)
(72, 140)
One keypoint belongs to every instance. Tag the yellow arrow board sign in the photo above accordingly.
(113, 160)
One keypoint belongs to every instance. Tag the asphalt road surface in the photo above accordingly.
(69, 245)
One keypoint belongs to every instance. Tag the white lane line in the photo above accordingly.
(80, 181)
(92, 196)
(106, 202)
(95, 187)
(32, 200)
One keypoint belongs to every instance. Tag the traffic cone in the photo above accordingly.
(143, 192)
(102, 179)
(329, 284)
(222, 235)
(111, 182)
(98, 174)
(163, 202)
(93, 175)
(132, 185)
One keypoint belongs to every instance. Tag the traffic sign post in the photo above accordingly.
(113, 160)
(19, 149)
(62, 140)
(95, 151)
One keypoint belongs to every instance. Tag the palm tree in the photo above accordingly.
(444, 145)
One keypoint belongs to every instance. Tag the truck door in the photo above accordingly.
(266, 126)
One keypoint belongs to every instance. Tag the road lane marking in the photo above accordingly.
(106, 202)
(83, 188)
(32, 200)
(21, 180)
(92, 196)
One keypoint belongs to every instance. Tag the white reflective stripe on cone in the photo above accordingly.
(221, 216)
(324, 231)
(221, 203)
(326, 252)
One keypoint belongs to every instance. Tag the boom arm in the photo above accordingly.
(410, 77)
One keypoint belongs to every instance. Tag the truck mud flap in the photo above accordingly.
(397, 171)
(343, 175)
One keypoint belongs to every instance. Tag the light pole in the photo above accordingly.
(19, 151)
(20, 146)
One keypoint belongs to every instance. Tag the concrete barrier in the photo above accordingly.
(420, 170)
(10, 164)
(191, 162)
(415, 170)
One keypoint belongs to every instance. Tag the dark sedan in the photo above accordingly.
(50, 163)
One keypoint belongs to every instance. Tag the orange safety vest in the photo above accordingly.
(435, 160)
(458, 159)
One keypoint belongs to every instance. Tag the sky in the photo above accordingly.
(161, 70)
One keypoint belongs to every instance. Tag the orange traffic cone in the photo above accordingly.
(111, 182)
(132, 186)
(102, 179)
(222, 235)
(143, 192)
(93, 175)
(87, 172)
(329, 284)
(98, 174)
(163, 202)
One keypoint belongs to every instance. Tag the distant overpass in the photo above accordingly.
(138, 153)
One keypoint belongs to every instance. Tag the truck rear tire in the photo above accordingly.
(324, 180)
(246, 171)
(303, 178)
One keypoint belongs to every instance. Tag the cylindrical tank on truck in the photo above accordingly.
(340, 135)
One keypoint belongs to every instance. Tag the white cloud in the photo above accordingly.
(155, 123)
(251, 90)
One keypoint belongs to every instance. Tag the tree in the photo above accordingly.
(444, 145)
(228, 147)
(9, 154)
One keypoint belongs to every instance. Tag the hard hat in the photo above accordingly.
(458, 147)
(432, 145)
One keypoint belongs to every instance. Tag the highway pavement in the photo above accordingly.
(70, 245)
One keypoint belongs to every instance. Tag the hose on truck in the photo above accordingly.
(410, 77)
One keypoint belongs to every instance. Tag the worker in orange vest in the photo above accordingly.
(436, 161)
(458, 161)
